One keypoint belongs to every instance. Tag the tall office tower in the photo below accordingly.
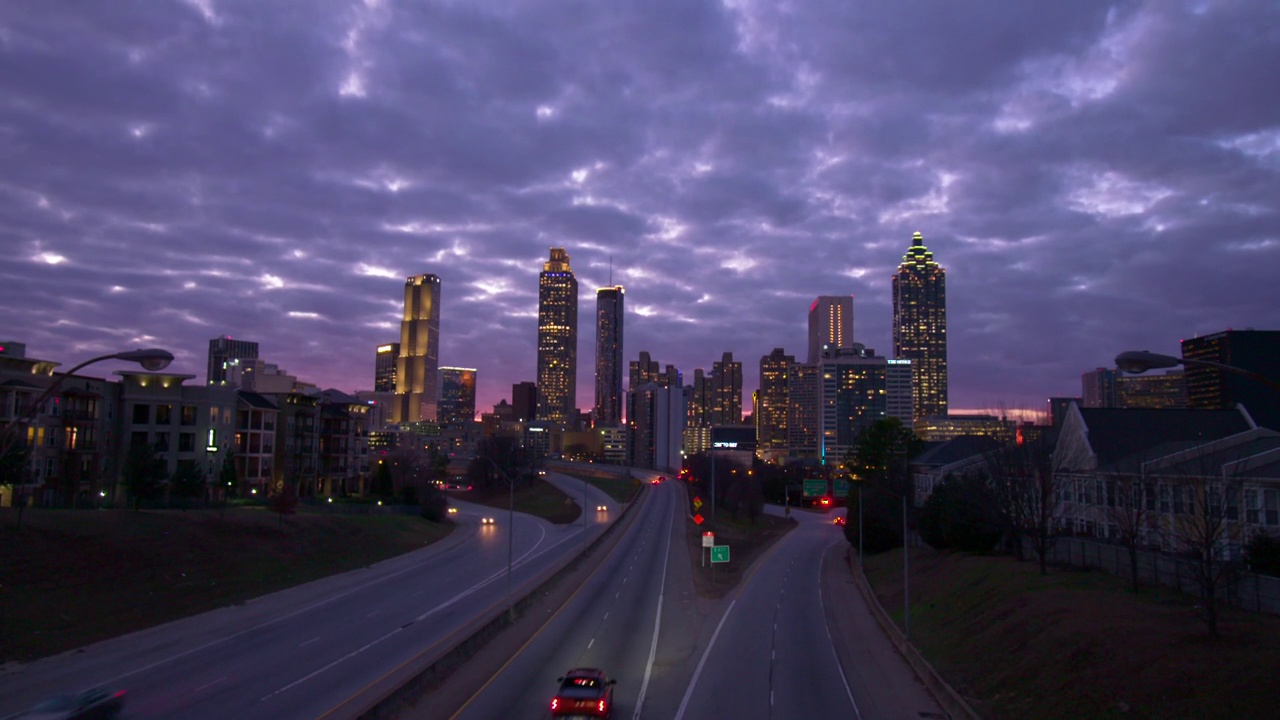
(726, 391)
(642, 371)
(854, 387)
(457, 396)
(1098, 388)
(920, 326)
(384, 367)
(830, 324)
(670, 377)
(655, 417)
(804, 411)
(899, 398)
(419, 362)
(609, 309)
(524, 400)
(772, 400)
(1155, 391)
(700, 401)
(1256, 351)
(557, 340)
(224, 351)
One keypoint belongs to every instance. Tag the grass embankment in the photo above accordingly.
(73, 577)
(747, 541)
(541, 499)
(621, 489)
(1077, 644)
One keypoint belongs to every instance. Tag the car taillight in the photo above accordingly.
(555, 703)
(601, 706)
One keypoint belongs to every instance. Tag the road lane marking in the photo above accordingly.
(657, 620)
(309, 641)
(593, 642)
(857, 713)
(209, 684)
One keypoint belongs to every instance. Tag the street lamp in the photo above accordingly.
(1140, 361)
(152, 359)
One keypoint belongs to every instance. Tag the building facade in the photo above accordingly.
(557, 340)
(920, 326)
(854, 391)
(609, 364)
(385, 359)
(457, 396)
(1211, 388)
(524, 401)
(225, 352)
(772, 402)
(830, 324)
(804, 412)
(726, 391)
(418, 365)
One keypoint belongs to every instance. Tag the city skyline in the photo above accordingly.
(1095, 177)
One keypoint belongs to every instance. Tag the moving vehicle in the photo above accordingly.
(583, 693)
(94, 704)
(486, 520)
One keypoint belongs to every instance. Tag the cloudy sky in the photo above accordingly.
(1094, 176)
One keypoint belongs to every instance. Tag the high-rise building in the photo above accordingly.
(642, 371)
(830, 324)
(899, 400)
(557, 340)
(384, 367)
(655, 417)
(457, 396)
(854, 386)
(1098, 388)
(419, 361)
(609, 313)
(772, 401)
(726, 391)
(1256, 351)
(223, 352)
(920, 326)
(804, 411)
(700, 401)
(524, 401)
(1156, 391)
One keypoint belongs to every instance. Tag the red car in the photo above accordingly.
(839, 520)
(584, 692)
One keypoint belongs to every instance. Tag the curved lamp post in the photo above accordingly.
(1140, 361)
(152, 359)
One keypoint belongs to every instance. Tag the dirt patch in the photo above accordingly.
(72, 577)
(1077, 644)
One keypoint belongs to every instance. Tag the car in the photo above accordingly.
(486, 520)
(94, 704)
(838, 520)
(583, 693)
(453, 511)
(602, 508)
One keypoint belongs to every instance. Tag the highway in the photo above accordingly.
(310, 651)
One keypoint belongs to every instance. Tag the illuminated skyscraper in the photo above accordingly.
(609, 312)
(830, 324)
(457, 396)
(726, 391)
(920, 326)
(384, 367)
(419, 361)
(557, 340)
(1256, 351)
(772, 402)
(224, 351)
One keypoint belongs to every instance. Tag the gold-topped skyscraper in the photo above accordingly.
(417, 368)
(920, 326)
(557, 340)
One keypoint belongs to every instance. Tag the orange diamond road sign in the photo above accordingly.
(697, 519)
(697, 503)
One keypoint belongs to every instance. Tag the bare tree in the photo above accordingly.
(1206, 529)
(1128, 504)
(1028, 490)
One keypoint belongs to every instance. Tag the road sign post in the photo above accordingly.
(708, 541)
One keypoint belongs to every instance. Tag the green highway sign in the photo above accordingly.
(719, 553)
(842, 487)
(815, 487)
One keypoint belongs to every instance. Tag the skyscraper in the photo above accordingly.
(524, 400)
(224, 351)
(771, 408)
(726, 391)
(384, 367)
(457, 396)
(920, 326)
(609, 313)
(419, 361)
(1208, 387)
(557, 340)
(830, 324)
